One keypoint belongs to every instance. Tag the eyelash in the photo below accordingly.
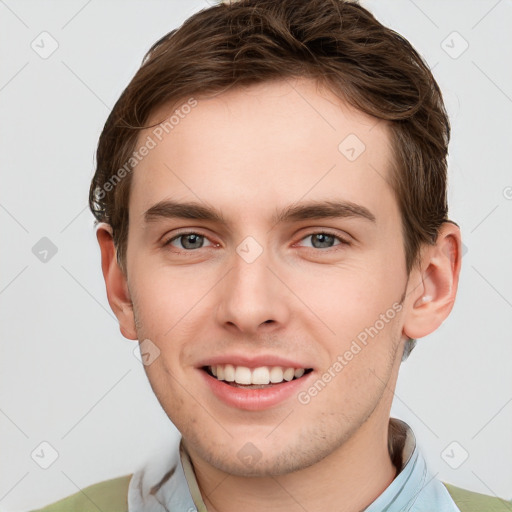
(343, 242)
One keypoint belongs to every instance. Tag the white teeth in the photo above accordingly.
(299, 372)
(229, 373)
(276, 374)
(288, 374)
(242, 375)
(262, 375)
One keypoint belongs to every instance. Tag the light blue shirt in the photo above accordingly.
(414, 489)
(168, 484)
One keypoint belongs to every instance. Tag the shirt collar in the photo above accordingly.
(171, 483)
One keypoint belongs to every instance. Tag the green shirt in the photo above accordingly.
(111, 496)
(175, 485)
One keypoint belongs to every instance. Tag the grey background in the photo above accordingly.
(70, 379)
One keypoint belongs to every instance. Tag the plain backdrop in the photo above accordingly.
(68, 377)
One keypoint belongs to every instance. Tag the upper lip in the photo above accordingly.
(252, 361)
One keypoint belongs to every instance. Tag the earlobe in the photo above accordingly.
(115, 282)
(433, 289)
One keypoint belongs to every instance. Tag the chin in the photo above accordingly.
(250, 461)
(265, 467)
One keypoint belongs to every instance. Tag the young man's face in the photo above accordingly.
(256, 292)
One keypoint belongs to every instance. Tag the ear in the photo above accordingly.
(433, 286)
(115, 282)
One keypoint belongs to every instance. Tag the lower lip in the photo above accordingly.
(254, 399)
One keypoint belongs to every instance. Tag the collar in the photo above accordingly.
(169, 483)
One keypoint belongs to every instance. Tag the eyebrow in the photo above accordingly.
(169, 209)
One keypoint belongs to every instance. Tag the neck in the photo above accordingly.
(362, 465)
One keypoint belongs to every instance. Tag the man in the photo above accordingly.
(271, 197)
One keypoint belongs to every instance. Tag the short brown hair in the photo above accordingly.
(336, 42)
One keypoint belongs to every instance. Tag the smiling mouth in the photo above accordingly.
(254, 378)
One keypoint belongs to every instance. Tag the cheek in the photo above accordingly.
(168, 298)
(350, 297)
(359, 306)
(354, 380)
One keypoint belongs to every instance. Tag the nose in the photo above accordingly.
(253, 297)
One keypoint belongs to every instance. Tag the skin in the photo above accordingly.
(249, 152)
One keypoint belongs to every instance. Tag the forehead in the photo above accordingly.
(269, 143)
